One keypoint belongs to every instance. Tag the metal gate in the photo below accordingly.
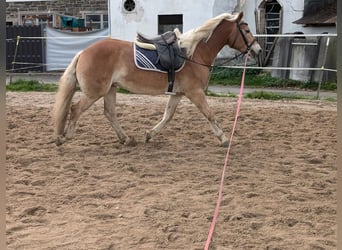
(24, 49)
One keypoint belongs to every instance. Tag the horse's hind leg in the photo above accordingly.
(198, 98)
(75, 112)
(168, 114)
(110, 113)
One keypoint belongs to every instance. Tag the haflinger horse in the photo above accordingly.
(102, 67)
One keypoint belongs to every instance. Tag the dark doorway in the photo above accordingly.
(169, 23)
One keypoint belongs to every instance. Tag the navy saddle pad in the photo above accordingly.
(147, 59)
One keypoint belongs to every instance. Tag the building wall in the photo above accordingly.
(124, 25)
(292, 11)
(144, 18)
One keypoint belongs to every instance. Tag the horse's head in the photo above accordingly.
(242, 39)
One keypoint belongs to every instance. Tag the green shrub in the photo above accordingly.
(31, 85)
(34, 85)
(274, 96)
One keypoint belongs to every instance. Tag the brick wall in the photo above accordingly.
(66, 7)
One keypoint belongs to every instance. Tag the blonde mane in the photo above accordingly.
(190, 39)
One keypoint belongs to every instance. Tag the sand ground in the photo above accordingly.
(94, 193)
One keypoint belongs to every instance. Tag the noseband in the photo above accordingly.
(244, 37)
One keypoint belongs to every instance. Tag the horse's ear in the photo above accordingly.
(240, 16)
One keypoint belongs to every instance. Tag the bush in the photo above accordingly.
(31, 85)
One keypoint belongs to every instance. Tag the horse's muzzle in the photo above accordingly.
(256, 52)
(256, 49)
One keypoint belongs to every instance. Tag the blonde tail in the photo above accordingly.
(66, 90)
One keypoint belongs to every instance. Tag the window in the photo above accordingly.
(169, 23)
(95, 20)
(37, 18)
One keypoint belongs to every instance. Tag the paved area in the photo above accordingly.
(219, 89)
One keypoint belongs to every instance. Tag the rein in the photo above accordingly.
(212, 66)
(220, 192)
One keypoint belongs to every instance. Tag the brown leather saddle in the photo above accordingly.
(170, 55)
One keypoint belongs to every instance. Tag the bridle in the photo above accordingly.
(248, 47)
(238, 25)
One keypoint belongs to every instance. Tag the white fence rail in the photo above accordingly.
(322, 68)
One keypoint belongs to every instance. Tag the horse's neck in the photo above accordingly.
(207, 51)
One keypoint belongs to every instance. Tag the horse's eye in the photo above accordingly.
(248, 31)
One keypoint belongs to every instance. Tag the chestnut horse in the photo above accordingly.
(102, 67)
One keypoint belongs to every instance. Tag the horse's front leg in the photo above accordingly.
(110, 113)
(198, 98)
(168, 114)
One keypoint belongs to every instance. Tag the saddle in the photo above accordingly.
(170, 55)
(169, 37)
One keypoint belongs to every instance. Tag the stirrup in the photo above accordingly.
(170, 93)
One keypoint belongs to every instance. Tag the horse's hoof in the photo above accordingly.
(225, 144)
(60, 140)
(131, 142)
(148, 136)
(69, 135)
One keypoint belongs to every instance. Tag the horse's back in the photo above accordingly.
(105, 55)
(97, 64)
(104, 49)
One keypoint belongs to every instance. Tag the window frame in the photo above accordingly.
(35, 20)
(102, 21)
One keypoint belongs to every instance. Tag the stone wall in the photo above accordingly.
(305, 53)
(64, 7)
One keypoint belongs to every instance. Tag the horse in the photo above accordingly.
(108, 64)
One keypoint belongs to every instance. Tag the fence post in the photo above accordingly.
(323, 67)
(15, 52)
